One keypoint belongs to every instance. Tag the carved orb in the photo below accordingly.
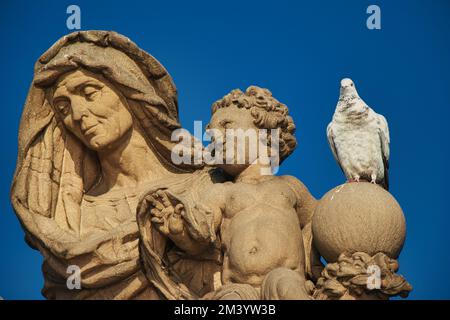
(358, 217)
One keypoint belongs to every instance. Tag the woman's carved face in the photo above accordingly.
(91, 109)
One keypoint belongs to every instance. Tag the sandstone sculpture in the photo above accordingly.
(95, 132)
(257, 239)
(355, 226)
(260, 246)
(348, 279)
(95, 187)
(348, 220)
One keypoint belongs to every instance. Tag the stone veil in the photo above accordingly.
(56, 172)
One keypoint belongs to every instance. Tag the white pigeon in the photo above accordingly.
(359, 138)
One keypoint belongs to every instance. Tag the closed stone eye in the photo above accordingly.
(90, 91)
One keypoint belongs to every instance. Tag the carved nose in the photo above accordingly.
(79, 110)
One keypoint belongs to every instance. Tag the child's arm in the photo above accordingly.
(305, 202)
(305, 206)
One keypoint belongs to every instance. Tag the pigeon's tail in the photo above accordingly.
(385, 182)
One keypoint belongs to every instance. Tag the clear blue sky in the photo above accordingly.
(300, 51)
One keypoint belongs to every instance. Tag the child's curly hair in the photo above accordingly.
(268, 112)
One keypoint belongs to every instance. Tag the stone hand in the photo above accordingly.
(167, 219)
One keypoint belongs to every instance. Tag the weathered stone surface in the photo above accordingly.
(94, 135)
(96, 189)
(358, 217)
(359, 276)
(95, 186)
(255, 219)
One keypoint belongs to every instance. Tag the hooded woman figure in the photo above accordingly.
(94, 139)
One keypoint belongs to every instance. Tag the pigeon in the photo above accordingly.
(359, 138)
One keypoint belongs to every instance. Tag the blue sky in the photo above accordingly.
(300, 51)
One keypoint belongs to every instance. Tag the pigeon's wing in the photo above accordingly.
(330, 136)
(383, 133)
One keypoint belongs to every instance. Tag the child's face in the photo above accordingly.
(239, 123)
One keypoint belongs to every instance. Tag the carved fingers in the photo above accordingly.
(176, 221)
(166, 218)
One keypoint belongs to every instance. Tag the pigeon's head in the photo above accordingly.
(349, 100)
(348, 88)
(347, 82)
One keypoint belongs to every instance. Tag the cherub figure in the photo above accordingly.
(258, 216)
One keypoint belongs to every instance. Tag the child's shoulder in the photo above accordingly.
(293, 183)
(290, 179)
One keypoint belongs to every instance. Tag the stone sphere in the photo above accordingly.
(358, 216)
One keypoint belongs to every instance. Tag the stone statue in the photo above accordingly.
(359, 229)
(96, 188)
(95, 133)
(264, 256)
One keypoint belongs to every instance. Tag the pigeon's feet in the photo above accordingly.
(355, 179)
(374, 179)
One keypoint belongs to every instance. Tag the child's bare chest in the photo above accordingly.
(243, 196)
